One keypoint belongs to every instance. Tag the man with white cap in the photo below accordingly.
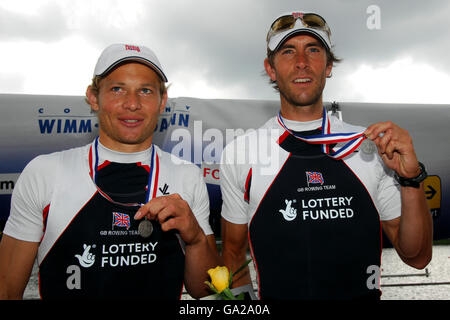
(314, 222)
(117, 218)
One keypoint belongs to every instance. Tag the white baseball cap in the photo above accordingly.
(117, 53)
(290, 23)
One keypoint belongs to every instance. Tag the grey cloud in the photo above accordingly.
(221, 41)
(413, 28)
(224, 42)
(47, 25)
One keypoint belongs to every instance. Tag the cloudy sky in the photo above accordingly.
(393, 51)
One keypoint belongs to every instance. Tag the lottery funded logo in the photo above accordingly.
(311, 206)
(111, 256)
(128, 254)
(327, 208)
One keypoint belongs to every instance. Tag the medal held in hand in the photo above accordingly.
(145, 228)
(368, 146)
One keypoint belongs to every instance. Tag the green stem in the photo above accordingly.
(243, 266)
(227, 294)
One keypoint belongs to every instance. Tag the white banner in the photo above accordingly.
(196, 130)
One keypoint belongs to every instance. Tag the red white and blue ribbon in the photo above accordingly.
(326, 138)
(153, 176)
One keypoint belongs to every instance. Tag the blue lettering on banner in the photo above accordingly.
(164, 125)
(47, 126)
(183, 121)
(70, 126)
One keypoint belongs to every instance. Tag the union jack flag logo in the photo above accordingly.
(314, 177)
(121, 220)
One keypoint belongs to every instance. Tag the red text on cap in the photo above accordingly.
(134, 48)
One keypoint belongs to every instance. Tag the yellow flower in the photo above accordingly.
(220, 278)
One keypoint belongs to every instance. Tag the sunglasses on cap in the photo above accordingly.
(309, 20)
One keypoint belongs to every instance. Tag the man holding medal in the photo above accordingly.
(319, 214)
(117, 218)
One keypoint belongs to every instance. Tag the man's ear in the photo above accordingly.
(329, 69)
(164, 98)
(270, 70)
(92, 98)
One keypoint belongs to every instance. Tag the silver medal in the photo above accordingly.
(368, 146)
(145, 228)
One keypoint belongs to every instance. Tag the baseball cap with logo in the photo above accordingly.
(291, 23)
(118, 53)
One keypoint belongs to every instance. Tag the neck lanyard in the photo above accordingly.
(326, 138)
(152, 185)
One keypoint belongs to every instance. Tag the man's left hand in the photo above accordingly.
(395, 147)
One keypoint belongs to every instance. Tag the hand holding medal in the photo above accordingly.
(173, 213)
(395, 147)
(394, 144)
